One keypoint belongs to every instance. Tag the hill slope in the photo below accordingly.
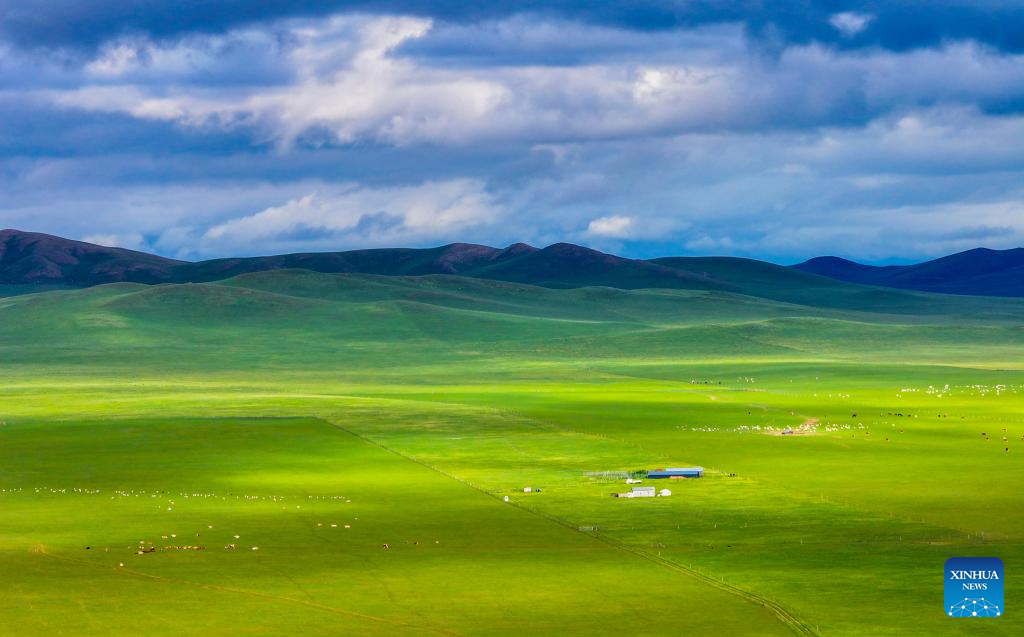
(30, 260)
(353, 324)
(36, 258)
(980, 271)
(33, 258)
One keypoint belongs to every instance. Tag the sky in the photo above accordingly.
(883, 131)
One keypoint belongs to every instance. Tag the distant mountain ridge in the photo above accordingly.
(46, 260)
(36, 258)
(980, 271)
(33, 257)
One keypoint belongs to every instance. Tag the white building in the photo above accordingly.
(639, 492)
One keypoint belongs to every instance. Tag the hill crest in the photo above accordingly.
(37, 259)
(979, 271)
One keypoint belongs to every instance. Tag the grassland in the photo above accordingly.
(273, 406)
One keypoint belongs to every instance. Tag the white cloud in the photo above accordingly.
(115, 59)
(131, 241)
(783, 195)
(906, 233)
(346, 80)
(615, 226)
(850, 23)
(704, 141)
(705, 244)
(57, 201)
(351, 214)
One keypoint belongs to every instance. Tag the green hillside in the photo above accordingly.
(360, 433)
(18, 289)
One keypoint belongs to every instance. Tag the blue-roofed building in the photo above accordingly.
(677, 472)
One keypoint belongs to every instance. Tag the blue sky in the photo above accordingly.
(882, 131)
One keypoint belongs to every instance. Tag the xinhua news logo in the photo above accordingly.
(974, 587)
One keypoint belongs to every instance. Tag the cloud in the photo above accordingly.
(285, 129)
(114, 61)
(346, 81)
(352, 92)
(131, 241)
(784, 195)
(865, 234)
(849, 23)
(910, 24)
(356, 215)
(613, 226)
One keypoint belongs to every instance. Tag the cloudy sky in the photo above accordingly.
(883, 131)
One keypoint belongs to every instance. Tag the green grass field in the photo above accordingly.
(361, 433)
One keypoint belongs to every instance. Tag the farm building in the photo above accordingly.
(638, 492)
(677, 472)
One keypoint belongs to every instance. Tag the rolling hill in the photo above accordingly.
(346, 429)
(270, 318)
(32, 258)
(980, 271)
(32, 262)
(28, 258)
